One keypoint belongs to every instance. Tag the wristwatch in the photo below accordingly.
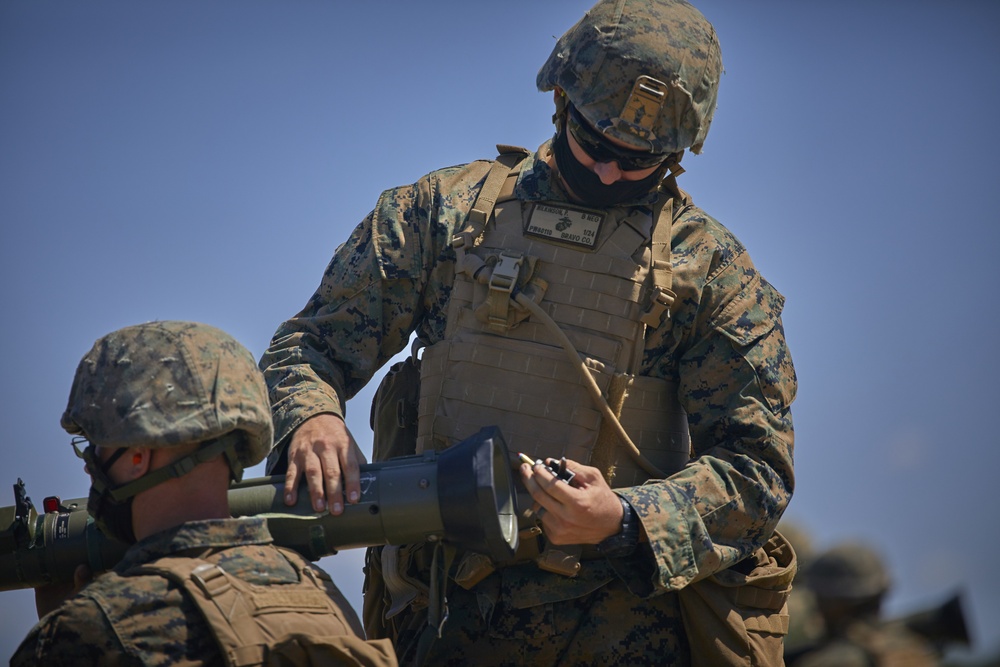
(625, 542)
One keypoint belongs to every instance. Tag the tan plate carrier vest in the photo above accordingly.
(296, 623)
(527, 316)
(502, 364)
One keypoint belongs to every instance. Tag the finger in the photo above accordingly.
(538, 487)
(315, 482)
(331, 481)
(549, 482)
(352, 472)
(583, 474)
(528, 478)
(291, 483)
(559, 491)
(540, 473)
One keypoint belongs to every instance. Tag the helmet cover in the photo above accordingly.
(168, 383)
(850, 571)
(645, 72)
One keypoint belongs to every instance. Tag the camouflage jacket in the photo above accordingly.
(724, 344)
(125, 619)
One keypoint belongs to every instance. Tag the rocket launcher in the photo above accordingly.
(463, 495)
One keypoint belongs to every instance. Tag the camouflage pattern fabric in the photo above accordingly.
(497, 624)
(724, 345)
(123, 619)
(617, 43)
(168, 383)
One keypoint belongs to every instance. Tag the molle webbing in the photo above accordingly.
(499, 366)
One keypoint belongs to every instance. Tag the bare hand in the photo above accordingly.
(585, 513)
(323, 450)
(48, 598)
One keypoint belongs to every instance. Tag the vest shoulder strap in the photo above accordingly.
(233, 608)
(667, 211)
(482, 208)
(508, 158)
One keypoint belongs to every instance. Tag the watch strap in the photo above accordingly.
(624, 543)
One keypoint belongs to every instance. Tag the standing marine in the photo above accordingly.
(577, 298)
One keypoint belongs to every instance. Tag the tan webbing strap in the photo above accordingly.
(662, 295)
(503, 280)
(482, 209)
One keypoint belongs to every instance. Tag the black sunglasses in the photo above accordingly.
(601, 150)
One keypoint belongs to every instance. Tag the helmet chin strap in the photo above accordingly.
(562, 104)
(225, 445)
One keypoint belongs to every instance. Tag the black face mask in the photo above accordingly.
(587, 186)
(113, 517)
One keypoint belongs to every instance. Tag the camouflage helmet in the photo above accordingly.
(850, 571)
(645, 72)
(169, 383)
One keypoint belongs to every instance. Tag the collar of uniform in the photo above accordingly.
(537, 181)
(210, 533)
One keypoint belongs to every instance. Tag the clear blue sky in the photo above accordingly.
(202, 161)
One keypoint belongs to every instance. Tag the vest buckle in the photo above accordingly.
(660, 303)
(505, 273)
(503, 280)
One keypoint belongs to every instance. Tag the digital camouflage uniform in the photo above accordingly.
(724, 345)
(158, 385)
(124, 618)
(644, 74)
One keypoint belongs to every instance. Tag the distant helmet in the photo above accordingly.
(800, 539)
(851, 571)
(645, 72)
(169, 383)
